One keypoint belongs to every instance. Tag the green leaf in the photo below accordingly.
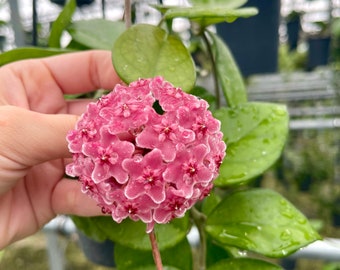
(244, 264)
(86, 32)
(152, 267)
(132, 259)
(210, 202)
(230, 3)
(73, 45)
(146, 51)
(59, 25)
(262, 221)
(133, 234)
(127, 258)
(228, 72)
(204, 94)
(216, 252)
(28, 53)
(255, 134)
(89, 227)
(206, 15)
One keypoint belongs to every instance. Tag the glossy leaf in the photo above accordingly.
(59, 25)
(210, 202)
(206, 15)
(133, 234)
(255, 134)
(228, 72)
(73, 45)
(152, 267)
(227, 3)
(262, 221)
(215, 252)
(28, 53)
(244, 264)
(89, 227)
(86, 32)
(146, 51)
(133, 259)
(204, 94)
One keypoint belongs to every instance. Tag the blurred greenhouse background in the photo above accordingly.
(297, 45)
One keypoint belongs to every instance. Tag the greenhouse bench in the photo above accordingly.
(311, 97)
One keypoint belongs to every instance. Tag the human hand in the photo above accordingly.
(34, 120)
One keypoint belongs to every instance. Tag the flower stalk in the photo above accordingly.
(155, 250)
(127, 13)
(199, 220)
(213, 69)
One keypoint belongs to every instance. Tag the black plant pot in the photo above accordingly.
(335, 215)
(318, 52)
(100, 253)
(336, 219)
(2, 42)
(254, 41)
(79, 2)
(293, 33)
(305, 183)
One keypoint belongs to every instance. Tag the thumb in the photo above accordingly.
(30, 138)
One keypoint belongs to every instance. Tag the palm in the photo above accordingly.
(26, 199)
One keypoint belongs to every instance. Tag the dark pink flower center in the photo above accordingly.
(190, 169)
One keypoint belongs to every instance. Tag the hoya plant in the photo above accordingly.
(162, 155)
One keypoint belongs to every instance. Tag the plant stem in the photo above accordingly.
(199, 220)
(155, 251)
(127, 13)
(213, 69)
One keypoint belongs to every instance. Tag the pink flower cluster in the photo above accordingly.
(147, 151)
